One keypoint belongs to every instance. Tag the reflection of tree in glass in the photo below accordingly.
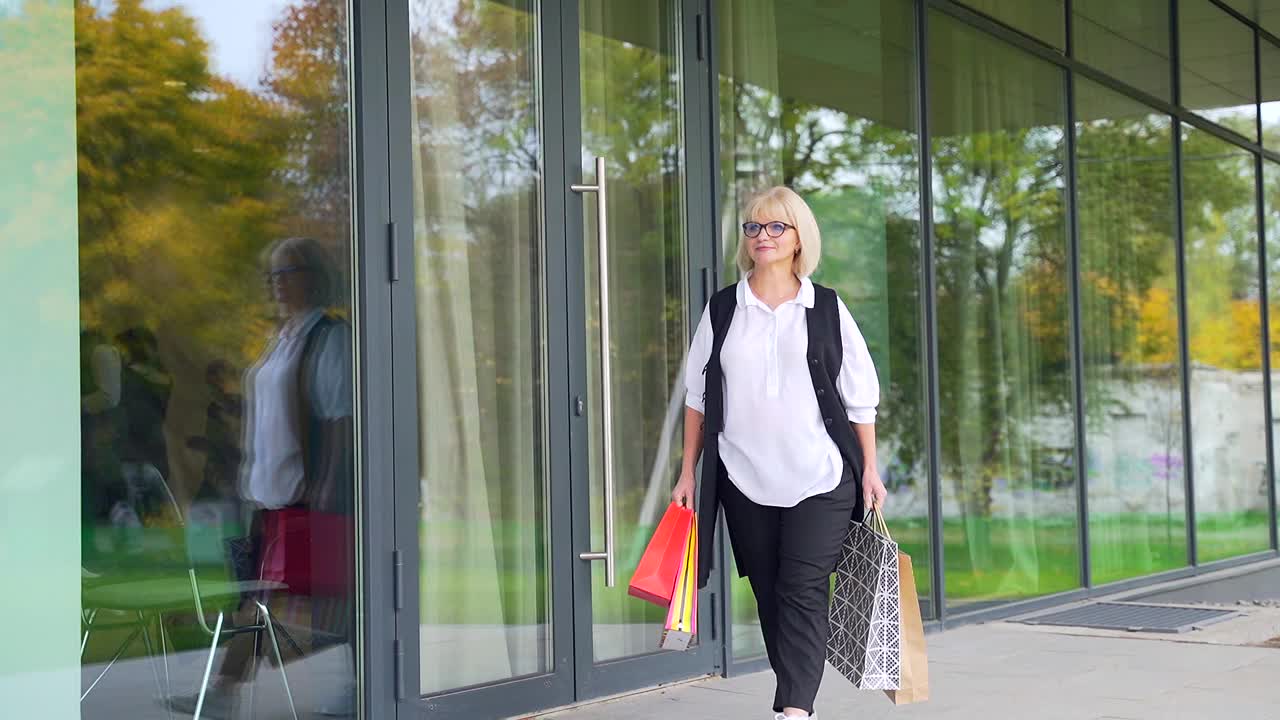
(184, 176)
(1000, 259)
(861, 177)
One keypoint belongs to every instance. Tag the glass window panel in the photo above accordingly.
(1128, 40)
(1266, 13)
(1270, 107)
(1044, 20)
(820, 97)
(1217, 74)
(485, 593)
(39, 380)
(1129, 324)
(632, 114)
(215, 221)
(998, 145)
(1228, 433)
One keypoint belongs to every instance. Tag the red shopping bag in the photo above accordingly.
(655, 576)
(309, 552)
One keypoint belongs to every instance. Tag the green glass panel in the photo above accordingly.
(633, 115)
(484, 535)
(216, 360)
(39, 424)
(1128, 40)
(1129, 319)
(803, 105)
(1217, 73)
(998, 147)
(1044, 20)
(1228, 427)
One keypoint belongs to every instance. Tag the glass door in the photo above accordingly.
(629, 258)
(534, 318)
(485, 628)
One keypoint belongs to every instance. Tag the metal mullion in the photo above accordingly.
(1257, 87)
(1175, 63)
(573, 281)
(928, 319)
(375, 92)
(1184, 347)
(1184, 350)
(557, 316)
(1265, 299)
(1077, 337)
(699, 143)
(722, 551)
(1069, 16)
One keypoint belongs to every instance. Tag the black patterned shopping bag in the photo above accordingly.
(866, 618)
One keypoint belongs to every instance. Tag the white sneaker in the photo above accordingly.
(781, 716)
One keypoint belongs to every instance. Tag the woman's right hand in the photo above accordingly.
(683, 494)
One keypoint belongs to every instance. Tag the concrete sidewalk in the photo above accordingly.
(1007, 671)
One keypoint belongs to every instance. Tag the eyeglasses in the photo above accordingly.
(774, 229)
(280, 273)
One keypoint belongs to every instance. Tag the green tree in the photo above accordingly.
(175, 183)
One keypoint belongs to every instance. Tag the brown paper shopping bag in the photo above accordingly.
(914, 683)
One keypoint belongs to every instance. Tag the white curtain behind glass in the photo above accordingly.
(483, 581)
(995, 140)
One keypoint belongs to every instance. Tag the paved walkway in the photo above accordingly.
(1007, 671)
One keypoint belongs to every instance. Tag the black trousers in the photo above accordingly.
(788, 554)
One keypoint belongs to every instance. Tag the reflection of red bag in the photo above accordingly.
(655, 576)
(310, 552)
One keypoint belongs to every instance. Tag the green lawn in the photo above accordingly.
(986, 560)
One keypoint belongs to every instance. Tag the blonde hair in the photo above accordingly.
(308, 252)
(782, 203)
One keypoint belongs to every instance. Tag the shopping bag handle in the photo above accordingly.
(875, 521)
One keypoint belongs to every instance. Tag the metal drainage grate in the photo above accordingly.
(1134, 617)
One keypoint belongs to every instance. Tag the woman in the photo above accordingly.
(782, 396)
(297, 473)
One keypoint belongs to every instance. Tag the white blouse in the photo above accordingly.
(775, 445)
(274, 468)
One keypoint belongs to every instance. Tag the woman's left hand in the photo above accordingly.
(873, 492)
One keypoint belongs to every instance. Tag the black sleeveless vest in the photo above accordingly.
(826, 355)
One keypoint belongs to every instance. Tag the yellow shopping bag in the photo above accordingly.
(681, 627)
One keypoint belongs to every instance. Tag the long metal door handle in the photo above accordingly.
(606, 368)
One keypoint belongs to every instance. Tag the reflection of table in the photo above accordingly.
(148, 600)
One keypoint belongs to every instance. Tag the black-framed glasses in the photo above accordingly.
(773, 229)
(270, 276)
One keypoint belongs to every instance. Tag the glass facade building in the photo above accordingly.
(344, 339)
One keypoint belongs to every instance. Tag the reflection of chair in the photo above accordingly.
(146, 601)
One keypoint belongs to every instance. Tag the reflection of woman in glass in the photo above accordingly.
(144, 395)
(102, 428)
(782, 393)
(297, 470)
